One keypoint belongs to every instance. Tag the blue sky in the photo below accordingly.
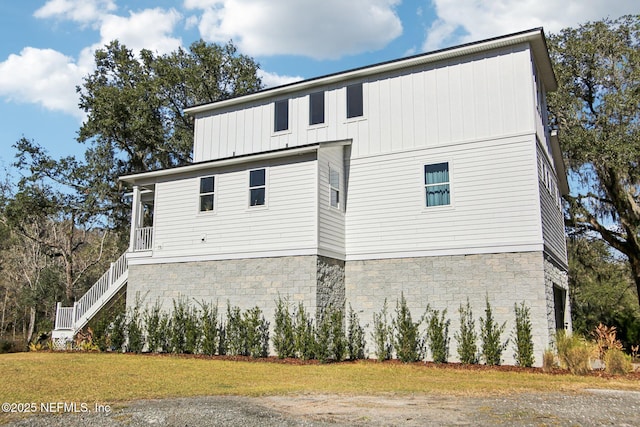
(47, 45)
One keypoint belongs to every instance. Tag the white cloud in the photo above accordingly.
(149, 29)
(48, 78)
(462, 21)
(321, 30)
(42, 76)
(273, 79)
(83, 11)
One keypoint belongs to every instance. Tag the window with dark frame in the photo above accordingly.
(207, 194)
(354, 101)
(281, 116)
(437, 185)
(334, 183)
(257, 187)
(316, 108)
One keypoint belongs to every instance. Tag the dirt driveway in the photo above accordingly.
(587, 408)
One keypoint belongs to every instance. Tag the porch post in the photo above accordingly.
(135, 217)
(58, 320)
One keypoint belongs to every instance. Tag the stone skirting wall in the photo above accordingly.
(316, 281)
(442, 282)
(244, 283)
(445, 282)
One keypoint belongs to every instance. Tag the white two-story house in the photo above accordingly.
(434, 176)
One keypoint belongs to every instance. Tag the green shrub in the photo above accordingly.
(407, 342)
(135, 331)
(283, 331)
(236, 332)
(617, 362)
(11, 346)
(491, 335)
(256, 330)
(574, 353)
(522, 337)
(153, 321)
(117, 333)
(165, 328)
(355, 337)
(382, 335)
(467, 336)
(305, 341)
(438, 336)
(263, 329)
(338, 337)
(323, 338)
(101, 325)
(331, 343)
(178, 327)
(222, 339)
(193, 330)
(209, 328)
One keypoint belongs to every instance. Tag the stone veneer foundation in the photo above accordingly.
(445, 282)
(314, 281)
(442, 282)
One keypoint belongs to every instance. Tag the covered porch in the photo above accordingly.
(142, 204)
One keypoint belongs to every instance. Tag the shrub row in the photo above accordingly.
(403, 336)
(332, 336)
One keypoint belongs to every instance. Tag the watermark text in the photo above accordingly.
(55, 407)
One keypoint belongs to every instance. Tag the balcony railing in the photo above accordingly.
(143, 239)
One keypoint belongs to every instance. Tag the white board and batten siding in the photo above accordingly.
(475, 97)
(285, 226)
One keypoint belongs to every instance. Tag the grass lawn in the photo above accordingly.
(107, 377)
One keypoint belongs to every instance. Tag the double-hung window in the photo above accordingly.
(257, 187)
(334, 184)
(437, 185)
(281, 115)
(316, 108)
(354, 101)
(207, 193)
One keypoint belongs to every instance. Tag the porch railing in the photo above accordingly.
(64, 317)
(143, 239)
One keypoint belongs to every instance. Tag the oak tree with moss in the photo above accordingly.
(597, 112)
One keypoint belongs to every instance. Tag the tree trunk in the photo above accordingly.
(68, 272)
(4, 311)
(32, 323)
(635, 272)
(24, 324)
(68, 259)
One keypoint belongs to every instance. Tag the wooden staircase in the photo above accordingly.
(69, 320)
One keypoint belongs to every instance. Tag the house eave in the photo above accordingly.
(535, 38)
(151, 176)
(558, 163)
